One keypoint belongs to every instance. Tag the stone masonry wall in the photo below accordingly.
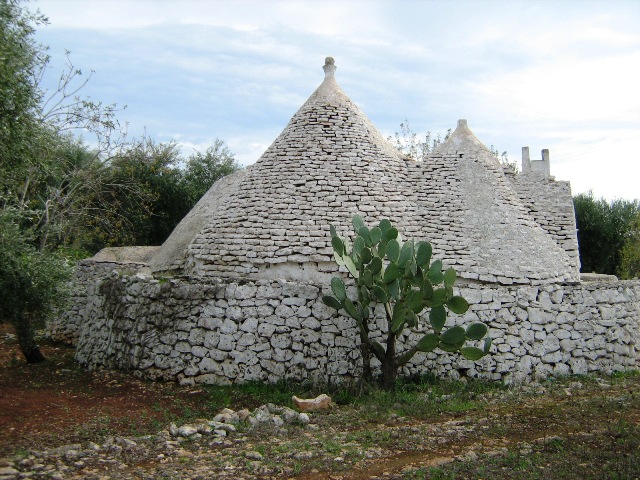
(551, 204)
(196, 330)
(89, 273)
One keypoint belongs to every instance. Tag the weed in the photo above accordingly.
(21, 453)
(438, 475)
(370, 438)
(156, 425)
(625, 374)
(252, 394)
(332, 447)
(601, 437)
(556, 444)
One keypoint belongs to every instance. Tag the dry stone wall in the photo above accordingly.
(65, 327)
(197, 330)
(550, 203)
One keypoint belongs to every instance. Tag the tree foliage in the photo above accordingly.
(48, 176)
(630, 255)
(603, 229)
(417, 147)
(32, 283)
(21, 59)
(156, 202)
(57, 193)
(115, 192)
(150, 187)
(204, 169)
(405, 279)
(410, 144)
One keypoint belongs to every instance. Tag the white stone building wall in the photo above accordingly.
(550, 203)
(197, 330)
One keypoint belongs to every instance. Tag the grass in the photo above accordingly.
(589, 425)
(422, 398)
(611, 454)
(253, 394)
(600, 437)
(419, 397)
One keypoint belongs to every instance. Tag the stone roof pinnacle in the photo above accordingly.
(463, 140)
(270, 221)
(329, 67)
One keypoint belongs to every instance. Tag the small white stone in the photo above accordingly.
(187, 430)
(304, 418)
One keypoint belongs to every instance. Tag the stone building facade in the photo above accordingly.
(195, 329)
(234, 293)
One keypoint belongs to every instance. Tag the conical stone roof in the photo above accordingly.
(503, 239)
(272, 220)
(463, 140)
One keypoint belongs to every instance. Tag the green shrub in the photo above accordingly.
(32, 283)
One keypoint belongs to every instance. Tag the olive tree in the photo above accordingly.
(603, 229)
(630, 253)
(32, 284)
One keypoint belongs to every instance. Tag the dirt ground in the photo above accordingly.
(569, 429)
(58, 402)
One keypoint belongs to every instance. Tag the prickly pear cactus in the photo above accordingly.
(404, 278)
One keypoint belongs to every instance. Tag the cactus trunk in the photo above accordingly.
(389, 363)
(389, 374)
(365, 351)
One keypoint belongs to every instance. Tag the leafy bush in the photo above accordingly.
(32, 283)
(630, 254)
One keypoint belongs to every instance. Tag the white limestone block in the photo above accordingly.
(281, 341)
(208, 365)
(229, 326)
(227, 343)
(551, 344)
(567, 345)
(266, 329)
(198, 351)
(554, 357)
(247, 340)
(211, 340)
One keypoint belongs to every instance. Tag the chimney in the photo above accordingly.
(546, 163)
(526, 160)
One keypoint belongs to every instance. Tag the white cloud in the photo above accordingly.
(558, 75)
(333, 17)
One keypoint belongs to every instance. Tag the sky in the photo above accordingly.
(562, 75)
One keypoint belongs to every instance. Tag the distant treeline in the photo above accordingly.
(608, 235)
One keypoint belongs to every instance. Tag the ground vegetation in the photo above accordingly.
(62, 421)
